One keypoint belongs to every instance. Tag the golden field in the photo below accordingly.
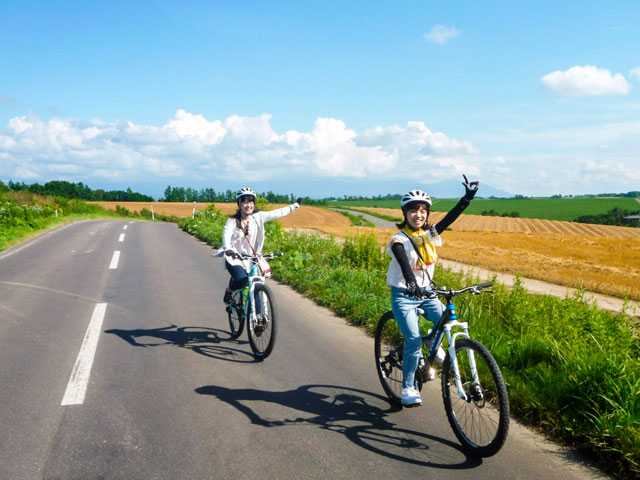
(306, 217)
(478, 223)
(603, 259)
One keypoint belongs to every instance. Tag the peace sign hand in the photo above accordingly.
(470, 188)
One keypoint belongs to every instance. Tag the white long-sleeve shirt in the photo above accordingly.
(233, 238)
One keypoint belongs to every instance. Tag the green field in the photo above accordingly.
(543, 208)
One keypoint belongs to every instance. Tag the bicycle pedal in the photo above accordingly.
(413, 405)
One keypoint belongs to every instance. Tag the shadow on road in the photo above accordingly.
(346, 411)
(209, 342)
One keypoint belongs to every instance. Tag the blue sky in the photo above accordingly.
(322, 97)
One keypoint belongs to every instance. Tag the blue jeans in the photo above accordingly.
(404, 310)
(239, 277)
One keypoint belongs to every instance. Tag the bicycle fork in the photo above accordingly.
(252, 314)
(452, 322)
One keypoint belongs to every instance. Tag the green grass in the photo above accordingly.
(572, 370)
(25, 215)
(543, 208)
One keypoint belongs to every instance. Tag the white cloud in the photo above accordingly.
(193, 148)
(586, 81)
(635, 73)
(441, 34)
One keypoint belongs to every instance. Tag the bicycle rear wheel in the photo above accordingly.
(234, 311)
(481, 422)
(389, 349)
(262, 333)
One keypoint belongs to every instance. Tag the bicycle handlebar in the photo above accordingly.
(267, 256)
(450, 293)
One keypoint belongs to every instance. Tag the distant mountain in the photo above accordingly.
(453, 188)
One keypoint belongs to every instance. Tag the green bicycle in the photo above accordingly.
(255, 306)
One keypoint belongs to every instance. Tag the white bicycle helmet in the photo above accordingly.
(415, 196)
(245, 192)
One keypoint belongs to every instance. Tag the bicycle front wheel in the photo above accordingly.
(481, 421)
(262, 332)
(389, 349)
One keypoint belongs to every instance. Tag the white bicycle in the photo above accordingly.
(473, 390)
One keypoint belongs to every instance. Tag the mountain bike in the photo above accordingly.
(255, 306)
(473, 390)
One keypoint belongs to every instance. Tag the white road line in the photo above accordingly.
(114, 260)
(79, 380)
(125, 227)
(121, 239)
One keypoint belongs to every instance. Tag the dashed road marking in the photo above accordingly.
(114, 260)
(121, 239)
(77, 386)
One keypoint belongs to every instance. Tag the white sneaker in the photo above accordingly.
(411, 397)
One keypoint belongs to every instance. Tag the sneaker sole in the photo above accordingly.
(413, 405)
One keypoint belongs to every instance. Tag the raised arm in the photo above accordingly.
(470, 191)
(280, 212)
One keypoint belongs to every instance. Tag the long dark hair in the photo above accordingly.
(238, 217)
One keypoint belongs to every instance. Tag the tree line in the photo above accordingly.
(80, 191)
(615, 216)
(209, 195)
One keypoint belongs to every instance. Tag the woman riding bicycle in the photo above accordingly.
(244, 234)
(413, 258)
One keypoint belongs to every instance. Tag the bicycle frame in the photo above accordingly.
(254, 277)
(445, 327)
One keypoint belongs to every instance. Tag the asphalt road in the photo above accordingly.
(129, 372)
(378, 222)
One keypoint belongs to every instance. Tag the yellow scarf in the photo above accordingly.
(426, 249)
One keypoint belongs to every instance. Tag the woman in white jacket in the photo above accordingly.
(244, 234)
